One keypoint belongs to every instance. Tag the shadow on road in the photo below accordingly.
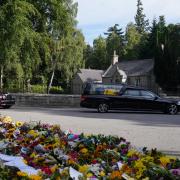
(138, 118)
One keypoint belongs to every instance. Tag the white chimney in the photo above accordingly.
(115, 58)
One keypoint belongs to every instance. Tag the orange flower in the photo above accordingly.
(116, 175)
(54, 168)
(71, 162)
(35, 177)
(22, 174)
(99, 148)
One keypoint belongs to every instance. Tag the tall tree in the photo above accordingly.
(141, 23)
(99, 60)
(132, 38)
(15, 31)
(33, 36)
(142, 26)
(114, 42)
(71, 58)
(88, 56)
(166, 54)
(57, 19)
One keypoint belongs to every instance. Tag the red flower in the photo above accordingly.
(46, 170)
(94, 161)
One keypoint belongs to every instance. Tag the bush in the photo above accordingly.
(56, 90)
(38, 89)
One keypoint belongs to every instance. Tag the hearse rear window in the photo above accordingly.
(102, 89)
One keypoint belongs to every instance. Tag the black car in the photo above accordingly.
(105, 97)
(6, 100)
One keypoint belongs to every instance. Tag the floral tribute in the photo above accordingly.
(42, 151)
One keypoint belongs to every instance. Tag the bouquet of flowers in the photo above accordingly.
(42, 151)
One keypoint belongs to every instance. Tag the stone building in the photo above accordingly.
(83, 76)
(131, 72)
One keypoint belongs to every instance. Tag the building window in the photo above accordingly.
(137, 81)
(118, 79)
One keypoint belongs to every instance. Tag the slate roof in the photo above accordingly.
(131, 67)
(89, 75)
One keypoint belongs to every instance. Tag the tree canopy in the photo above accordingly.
(39, 37)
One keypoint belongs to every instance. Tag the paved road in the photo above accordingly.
(152, 130)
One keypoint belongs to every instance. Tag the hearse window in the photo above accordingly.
(132, 92)
(103, 89)
(147, 94)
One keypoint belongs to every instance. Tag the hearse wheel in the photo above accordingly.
(103, 108)
(172, 109)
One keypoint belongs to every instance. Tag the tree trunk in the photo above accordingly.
(50, 83)
(1, 78)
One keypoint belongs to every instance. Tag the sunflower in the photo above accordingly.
(19, 123)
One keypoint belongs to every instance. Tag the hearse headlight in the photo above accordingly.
(3, 97)
(178, 103)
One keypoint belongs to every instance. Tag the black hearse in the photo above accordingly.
(106, 97)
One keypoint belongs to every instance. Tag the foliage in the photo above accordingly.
(38, 89)
(133, 38)
(97, 57)
(72, 55)
(56, 90)
(141, 23)
(166, 54)
(88, 56)
(114, 42)
(40, 44)
(35, 37)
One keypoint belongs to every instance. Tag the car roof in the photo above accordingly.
(124, 86)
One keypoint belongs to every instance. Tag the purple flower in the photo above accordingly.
(175, 172)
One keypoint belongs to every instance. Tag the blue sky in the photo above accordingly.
(95, 16)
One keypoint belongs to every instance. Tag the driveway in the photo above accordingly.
(152, 130)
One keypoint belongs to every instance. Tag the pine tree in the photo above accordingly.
(141, 23)
(114, 42)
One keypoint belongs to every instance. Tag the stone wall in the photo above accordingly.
(46, 100)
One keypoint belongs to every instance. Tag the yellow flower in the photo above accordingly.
(132, 152)
(25, 162)
(83, 169)
(146, 178)
(11, 130)
(33, 133)
(33, 155)
(140, 168)
(7, 119)
(56, 145)
(58, 178)
(84, 150)
(147, 159)
(89, 175)
(102, 173)
(22, 174)
(164, 160)
(35, 177)
(19, 123)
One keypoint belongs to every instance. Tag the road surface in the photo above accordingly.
(152, 130)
